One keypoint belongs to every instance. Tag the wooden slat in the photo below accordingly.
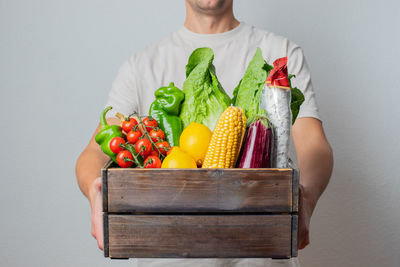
(105, 234)
(295, 222)
(295, 191)
(210, 236)
(199, 190)
(104, 187)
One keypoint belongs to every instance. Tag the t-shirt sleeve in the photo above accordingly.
(297, 65)
(123, 94)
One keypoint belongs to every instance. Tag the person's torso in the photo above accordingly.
(165, 61)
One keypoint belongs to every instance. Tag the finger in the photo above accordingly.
(307, 240)
(93, 232)
(303, 245)
(304, 239)
(300, 241)
(99, 233)
(301, 189)
(100, 243)
(99, 222)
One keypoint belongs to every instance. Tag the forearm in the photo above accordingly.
(315, 166)
(88, 168)
(315, 158)
(89, 164)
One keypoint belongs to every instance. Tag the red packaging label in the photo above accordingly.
(278, 76)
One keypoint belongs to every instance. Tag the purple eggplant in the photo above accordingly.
(257, 147)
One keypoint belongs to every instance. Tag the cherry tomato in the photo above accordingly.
(152, 162)
(163, 146)
(157, 135)
(115, 144)
(149, 123)
(143, 147)
(153, 153)
(125, 159)
(127, 125)
(133, 136)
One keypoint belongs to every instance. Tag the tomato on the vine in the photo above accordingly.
(143, 147)
(124, 159)
(153, 153)
(133, 136)
(115, 144)
(127, 125)
(157, 135)
(152, 162)
(149, 123)
(163, 146)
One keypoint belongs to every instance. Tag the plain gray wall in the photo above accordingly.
(59, 58)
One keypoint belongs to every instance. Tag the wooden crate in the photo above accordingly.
(200, 213)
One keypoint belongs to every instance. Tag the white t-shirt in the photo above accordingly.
(165, 61)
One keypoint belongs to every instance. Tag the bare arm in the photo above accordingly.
(315, 159)
(90, 162)
(88, 167)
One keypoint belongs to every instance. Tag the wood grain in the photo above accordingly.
(199, 190)
(295, 227)
(295, 190)
(104, 181)
(209, 236)
(106, 234)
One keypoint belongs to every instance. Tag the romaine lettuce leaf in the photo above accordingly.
(205, 99)
(247, 94)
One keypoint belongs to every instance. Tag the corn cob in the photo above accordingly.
(226, 139)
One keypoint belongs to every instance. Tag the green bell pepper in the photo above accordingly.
(165, 109)
(107, 132)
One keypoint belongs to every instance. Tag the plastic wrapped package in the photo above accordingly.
(276, 101)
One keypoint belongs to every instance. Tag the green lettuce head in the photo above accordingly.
(205, 99)
(247, 94)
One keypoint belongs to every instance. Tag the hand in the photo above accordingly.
(96, 204)
(306, 208)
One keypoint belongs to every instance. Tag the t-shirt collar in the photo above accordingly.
(214, 38)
